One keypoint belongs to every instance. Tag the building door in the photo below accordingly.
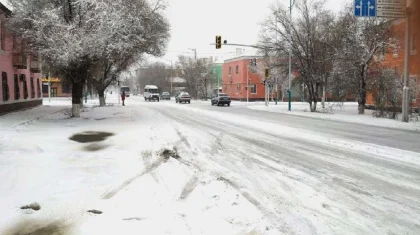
(54, 92)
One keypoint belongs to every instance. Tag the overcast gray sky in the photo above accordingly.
(195, 23)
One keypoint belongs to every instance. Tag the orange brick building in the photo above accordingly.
(395, 58)
(234, 79)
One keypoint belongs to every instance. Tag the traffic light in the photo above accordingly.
(253, 62)
(218, 42)
(267, 73)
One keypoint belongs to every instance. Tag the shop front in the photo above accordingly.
(59, 87)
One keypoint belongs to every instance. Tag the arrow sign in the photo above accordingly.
(365, 8)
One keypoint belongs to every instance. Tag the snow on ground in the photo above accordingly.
(124, 176)
(344, 113)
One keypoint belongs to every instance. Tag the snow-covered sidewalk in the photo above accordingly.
(132, 175)
(347, 112)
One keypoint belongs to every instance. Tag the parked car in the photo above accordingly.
(220, 99)
(165, 96)
(183, 97)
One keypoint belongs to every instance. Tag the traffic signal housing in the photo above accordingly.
(218, 42)
(267, 73)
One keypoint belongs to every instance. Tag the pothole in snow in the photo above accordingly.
(90, 136)
(168, 153)
(33, 206)
(95, 212)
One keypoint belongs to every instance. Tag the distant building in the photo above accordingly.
(235, 72)
(20, 69)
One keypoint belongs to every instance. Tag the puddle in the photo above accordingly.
(90, 136)
(95, 212)
(34, 206)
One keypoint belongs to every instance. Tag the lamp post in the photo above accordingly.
(292, 2)
(195, 53)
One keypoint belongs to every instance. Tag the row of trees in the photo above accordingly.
(199, 75)
(92, 40)
(335, 53)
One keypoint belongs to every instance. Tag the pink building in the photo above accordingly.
(20, 85)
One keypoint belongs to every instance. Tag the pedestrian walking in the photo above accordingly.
(123, 97)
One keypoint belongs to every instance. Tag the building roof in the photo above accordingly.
(244, 57)
(4, 7)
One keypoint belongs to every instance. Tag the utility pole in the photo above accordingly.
(49, 87)
(247, 84)
(290, 55)
(277, 77)
(406, 90)
(171, 76)
(195, 53)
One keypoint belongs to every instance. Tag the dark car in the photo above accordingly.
(165, 96)
(220, 99)
(183, 97)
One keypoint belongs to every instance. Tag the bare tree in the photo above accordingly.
(363, 42)
(75, 36)
(310, 38)
(155, 74)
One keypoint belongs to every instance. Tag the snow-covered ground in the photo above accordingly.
(232, 175)
(344, 112)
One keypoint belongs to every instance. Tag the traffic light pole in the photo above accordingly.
(247, 84)
(406, 90)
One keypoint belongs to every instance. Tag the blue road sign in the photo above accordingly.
(365, 8)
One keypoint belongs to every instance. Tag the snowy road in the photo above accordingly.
(265, 173)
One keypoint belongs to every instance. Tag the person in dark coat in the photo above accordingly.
(123, 97)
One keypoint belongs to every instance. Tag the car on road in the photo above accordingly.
(151, 93)
(165, 96)
(183, 97)
(220, 99)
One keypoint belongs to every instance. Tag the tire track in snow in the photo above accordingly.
(189, 187)
(148, 169)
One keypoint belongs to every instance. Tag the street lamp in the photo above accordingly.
(292, 2)
(195, 52)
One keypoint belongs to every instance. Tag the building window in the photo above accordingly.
(25, 86)
(5, 86)
(65, 87)
(17, 89)
(2, 35)
(38, 88)
(44, 89)
(32, 88)
(230, 70)
(238, 88)
(253, 88)
(237, 69)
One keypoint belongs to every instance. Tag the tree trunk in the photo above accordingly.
(101, 94)
(323, 95)
(313, 105)
(77, 96)
(362, 97)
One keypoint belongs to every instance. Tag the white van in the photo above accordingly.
(151, 92)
